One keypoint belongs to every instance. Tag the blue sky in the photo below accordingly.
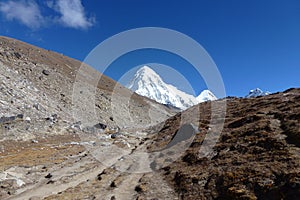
(254, 43)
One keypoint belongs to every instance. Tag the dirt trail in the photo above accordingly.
(63, 179)
(118, 177)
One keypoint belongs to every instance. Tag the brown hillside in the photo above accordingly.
(257, 155)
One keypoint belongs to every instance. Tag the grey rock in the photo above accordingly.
(46, 72)
(114, 135)
(100, 126)
(17, 55)
(36, 106)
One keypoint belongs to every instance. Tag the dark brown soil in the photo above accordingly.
(256, 157)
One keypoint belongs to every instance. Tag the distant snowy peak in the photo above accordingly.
(257, 93)
(206, 95)
(147, 82)
(144, 77)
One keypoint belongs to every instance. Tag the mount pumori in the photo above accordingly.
(147, 82)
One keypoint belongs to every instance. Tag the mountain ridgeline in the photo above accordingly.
(148, 83)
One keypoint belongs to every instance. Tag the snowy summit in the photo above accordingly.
(257, 93)
(147, 82)
(206, 95)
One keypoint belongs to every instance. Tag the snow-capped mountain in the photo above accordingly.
(147, 82)
(206, 95)
(257, 93)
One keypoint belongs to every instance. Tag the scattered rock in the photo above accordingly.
(114, 135)
(34, 141)
(113, 198)
(100, 126)
(36, 106)
(76, 125)
(140, 188)
(53, 118)
(17, 55)
(20, 116)
(50, 182)
(113, 184)
(46, 72)
(48, 176)
(10, 119)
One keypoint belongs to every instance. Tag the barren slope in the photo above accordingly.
(257, 156)
(39, 83)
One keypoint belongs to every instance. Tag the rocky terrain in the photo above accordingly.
(257, 156)
(129, 147)
(40, 120)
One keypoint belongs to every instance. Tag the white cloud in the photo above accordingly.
(72, 13)
(69, 13)
(26, 12)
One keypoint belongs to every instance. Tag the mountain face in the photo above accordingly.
(257, 93)
(206, 95)
(147, 82)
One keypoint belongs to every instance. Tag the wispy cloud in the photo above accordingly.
(69, 13)
(72, 13)
(26, 12)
